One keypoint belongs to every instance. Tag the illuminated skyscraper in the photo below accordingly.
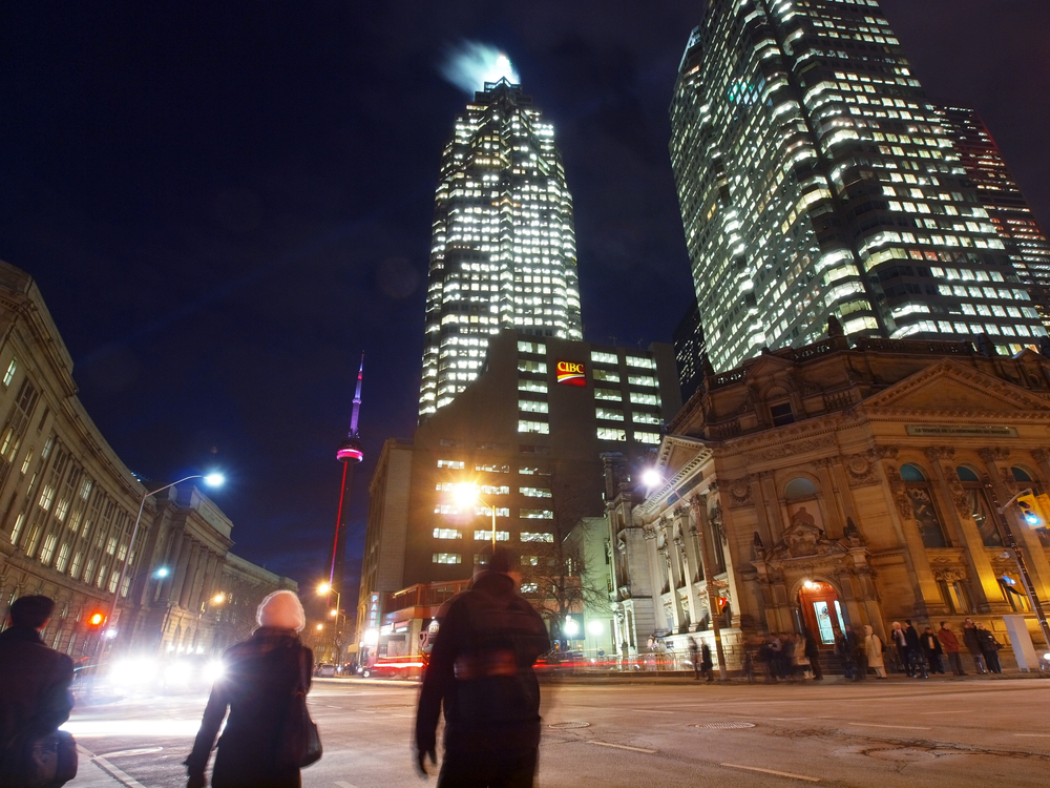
(1026, 244)
(503, 253)
(815, 179)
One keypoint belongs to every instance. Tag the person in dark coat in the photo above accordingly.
(481, 674)
(973, 645)
(812, 651)
(694, 657)
(260, 676)
(34, 679)
(989, 648)
(931, 647)
(917, 665)
(706, 665)
(846, 649)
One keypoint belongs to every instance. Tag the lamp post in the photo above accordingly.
(326, 588)
(468, 494)
(212, 479)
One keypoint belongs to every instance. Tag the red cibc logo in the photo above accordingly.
(572, 373)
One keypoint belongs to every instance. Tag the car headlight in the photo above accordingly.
(214, 671)
(177, 673)
(134, 671)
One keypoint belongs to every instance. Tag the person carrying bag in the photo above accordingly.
(269, 735)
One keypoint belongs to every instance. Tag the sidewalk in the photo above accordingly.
(90, 774)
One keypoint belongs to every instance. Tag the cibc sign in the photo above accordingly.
(572, 373)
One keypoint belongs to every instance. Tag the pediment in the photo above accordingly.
(949, 386)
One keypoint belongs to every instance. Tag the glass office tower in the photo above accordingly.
(503, 253)
(1025, 242)
(815, 179)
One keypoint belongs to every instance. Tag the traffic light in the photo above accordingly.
(96, 620)
(1034, 509)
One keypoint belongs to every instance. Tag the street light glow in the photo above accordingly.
(214, 480)
(324, 588)
(162, 572)
(466, 494)
(651, 477)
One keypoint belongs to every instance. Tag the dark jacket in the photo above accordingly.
(911, 637)
(481, 672)
(972, 641)
(260, 676)
(34, 685)
(931, 645)
(987, 642)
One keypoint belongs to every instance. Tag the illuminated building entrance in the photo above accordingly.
(821, 612)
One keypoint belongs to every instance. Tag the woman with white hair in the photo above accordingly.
(261, 674)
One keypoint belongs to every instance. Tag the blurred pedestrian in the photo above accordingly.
(812, 652)
(950, 643)
(34, 691)
(846, 650)
(873, 652)
(694, 657)
(481, 675)
(260, 676)
(916, 657)
(973, 645)
(900, 642)
(706, 665)
(989, 649)
(931, 647)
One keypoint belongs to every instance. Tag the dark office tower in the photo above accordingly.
(688, 339)
(1026, 244)
(503, 252)
(815, 179)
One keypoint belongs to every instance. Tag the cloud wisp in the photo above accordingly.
(470, 64)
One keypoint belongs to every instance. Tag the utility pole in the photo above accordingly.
(1022, 567)
(699, 507)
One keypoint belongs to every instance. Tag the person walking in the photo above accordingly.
(706, 665)
(873, 652)
(989, 649)
(846, 648)
(481, 674)
(901, 644)
(917, 658)
(694, 657)
(261, 675)
(34, 684)
(973, 645)
(931, 647)
(951, 648)
(812, 652)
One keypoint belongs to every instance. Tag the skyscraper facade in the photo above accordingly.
(503, 251)
(816, 179)
(1025, 242)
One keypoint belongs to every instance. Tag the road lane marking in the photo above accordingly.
(874, 725)
(623, 747)
(113, 771)
(343, 784)
(1040, 735)
(139, 751)
(773, 771)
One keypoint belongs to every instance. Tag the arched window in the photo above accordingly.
(922, 506)
(978, 507)
(800, 487)
(1021, 475)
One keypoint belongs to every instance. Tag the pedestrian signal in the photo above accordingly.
(1032, 511)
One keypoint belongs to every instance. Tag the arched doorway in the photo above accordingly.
(821, 613)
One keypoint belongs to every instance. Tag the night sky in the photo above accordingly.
(225, 203)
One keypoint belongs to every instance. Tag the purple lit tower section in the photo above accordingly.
(350, 454)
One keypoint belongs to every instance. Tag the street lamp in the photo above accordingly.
(468, 494)
(211, 479)
(327, 588)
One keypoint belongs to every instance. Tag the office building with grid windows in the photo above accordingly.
(503, 252)
(1007, 208)
(816, 179)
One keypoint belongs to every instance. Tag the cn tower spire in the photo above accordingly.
(349, 453)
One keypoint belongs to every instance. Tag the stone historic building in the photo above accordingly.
(68, 506)
(838, 483)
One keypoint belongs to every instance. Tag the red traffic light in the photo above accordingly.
(95, 620)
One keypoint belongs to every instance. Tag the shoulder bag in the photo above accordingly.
(300, 743)
(36, 760)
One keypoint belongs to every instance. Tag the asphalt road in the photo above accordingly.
(910, 733)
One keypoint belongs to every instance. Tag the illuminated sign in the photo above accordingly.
(572, 373)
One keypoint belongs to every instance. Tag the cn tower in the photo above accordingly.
(350, 453)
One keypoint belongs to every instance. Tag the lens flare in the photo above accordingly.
(470, 64)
